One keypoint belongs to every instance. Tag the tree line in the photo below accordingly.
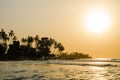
(13, 49)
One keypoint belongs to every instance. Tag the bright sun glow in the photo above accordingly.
(97, 21)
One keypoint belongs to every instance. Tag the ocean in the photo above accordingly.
(79, 69)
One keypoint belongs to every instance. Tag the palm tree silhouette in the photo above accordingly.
(60, 47)
(11, 35)
(29, 41)
(36, 39)
(14, 38)
(55, 46)
(3, 36)
(23, 40)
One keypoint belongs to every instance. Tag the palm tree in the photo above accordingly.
(14, 38)
(29, 41)
(36, 39)
(51, 44)
(51, 41)
(60, 47)
(43, 43)
(23, 40)
(47, 42)
(3, 36)
(55, 46)
(11, 35)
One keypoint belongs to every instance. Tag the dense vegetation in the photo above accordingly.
(73, 55)
(44, 48)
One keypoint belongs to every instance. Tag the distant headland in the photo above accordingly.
(44, 48)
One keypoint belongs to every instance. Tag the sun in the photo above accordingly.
(97, 21)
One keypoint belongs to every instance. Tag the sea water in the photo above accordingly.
(82, 69)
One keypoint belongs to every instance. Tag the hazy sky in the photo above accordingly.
(64, 20)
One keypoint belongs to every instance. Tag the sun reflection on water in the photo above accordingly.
(99, 72)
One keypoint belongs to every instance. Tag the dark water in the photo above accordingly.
(82, 69)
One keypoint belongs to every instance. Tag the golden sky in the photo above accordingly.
(65, 21)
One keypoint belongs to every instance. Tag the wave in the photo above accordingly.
(100, 62)
(87, 62)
